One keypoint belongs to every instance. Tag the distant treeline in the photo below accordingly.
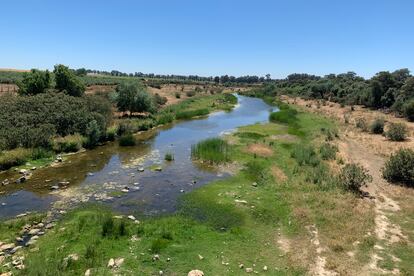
(98, 77)
(392, 91)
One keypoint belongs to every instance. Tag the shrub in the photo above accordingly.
(14, 157)
(111, 133)
(177, 95)
(127, 140)
(169, 156)
(285, 116)
(34, 82)
(361, 123)
(397, 132)
(70, 143)
(93, 134)
(305, 155)
(408, 110)
(190, 93)
(133, 97)
(160, 100)
(125, 127)
(214, 150)
(400, 167)
(33, 121)
(377, 127)
(353, 176)
(328, 151)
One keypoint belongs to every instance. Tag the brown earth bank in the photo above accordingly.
(393, 217)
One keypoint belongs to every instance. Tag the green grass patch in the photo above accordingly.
(213, 150)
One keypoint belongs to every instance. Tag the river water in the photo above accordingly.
(101, 174)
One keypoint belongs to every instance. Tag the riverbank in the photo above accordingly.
(279, 215)
(30, 159)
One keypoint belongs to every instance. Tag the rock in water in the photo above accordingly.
(195, 272)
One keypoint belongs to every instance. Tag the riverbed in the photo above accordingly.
(131, 180)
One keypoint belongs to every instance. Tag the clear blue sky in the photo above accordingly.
(216, 37)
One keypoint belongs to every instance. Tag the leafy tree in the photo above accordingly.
(35, 82)
(133, 97)
(67, 81)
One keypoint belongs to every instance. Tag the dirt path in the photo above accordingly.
(385, 231)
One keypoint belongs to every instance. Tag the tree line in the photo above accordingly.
(393, 91)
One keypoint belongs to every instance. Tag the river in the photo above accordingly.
(101, 174)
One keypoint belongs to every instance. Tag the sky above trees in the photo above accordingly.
(236, 37)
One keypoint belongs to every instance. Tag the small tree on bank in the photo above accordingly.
(133, 97)
(66, 80)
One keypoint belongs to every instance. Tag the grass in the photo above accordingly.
(169, 156)
(15, 157)
(70, 143)
(229, 222)
(213, 150)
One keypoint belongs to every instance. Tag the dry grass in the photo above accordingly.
(260, 150)
(377, 143)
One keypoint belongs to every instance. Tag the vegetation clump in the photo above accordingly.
(353, 177)
(399, 168)
(362, 124)
(132, 97)
(285, 116)
(305, 155)
(397, 132)
(35, 82)
(15, 157)
(213, 150)
(70, 143)
(377, 126)
(169, 156)
(328, 151)
(127, 140)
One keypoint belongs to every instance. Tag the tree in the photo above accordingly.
(133, 97)
(217, 79)
(67, 81)
(35, 82)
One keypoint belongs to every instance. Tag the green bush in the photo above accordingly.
(15, 157)
(177, 95)
(70, 143)
(328, 151)
(399, 167)
(190, 93)
(33, 121)
(397, 132)
(127, 140)
(305, 155)
(353, 176)
(285, 116)
(408, 110)
(214, 150)
(160, 100)
(35, 82)
(111, 133)
(67, 81)
(158, 244)
(93, 134)
(377, 127)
